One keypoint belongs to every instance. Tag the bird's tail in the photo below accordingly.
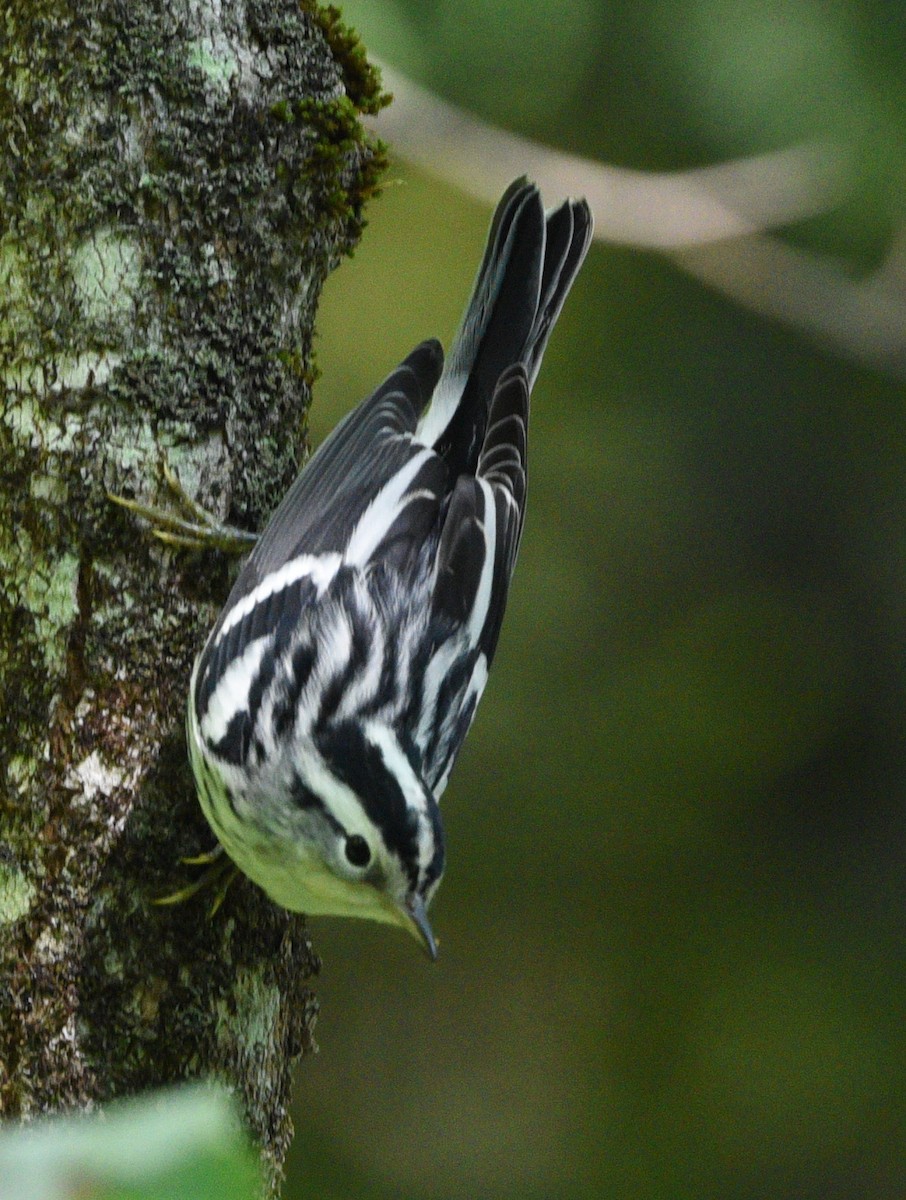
(529, 265)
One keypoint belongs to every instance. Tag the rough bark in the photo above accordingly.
(177, 177)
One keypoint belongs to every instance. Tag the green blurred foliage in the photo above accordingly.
(181, 1144)
(672, 954)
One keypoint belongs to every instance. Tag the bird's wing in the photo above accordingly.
(483, 525)
(475, 560)
(368, 481)
(370, 492)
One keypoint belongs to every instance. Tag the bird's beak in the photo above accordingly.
(417, 921)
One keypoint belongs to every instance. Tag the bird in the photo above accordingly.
(335, 690)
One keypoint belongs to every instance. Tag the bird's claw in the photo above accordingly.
(221, 872)
(196, 530)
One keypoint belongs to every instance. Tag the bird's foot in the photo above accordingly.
(192, 528)
(219, 875)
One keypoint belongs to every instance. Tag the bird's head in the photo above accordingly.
(367, 831)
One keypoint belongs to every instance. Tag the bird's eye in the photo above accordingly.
(357, 851)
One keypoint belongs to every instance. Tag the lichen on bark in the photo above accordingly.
(179, 178)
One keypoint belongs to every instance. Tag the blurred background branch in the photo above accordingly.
(647, 209)
(712, 220)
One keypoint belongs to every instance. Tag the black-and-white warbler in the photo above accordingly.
(335, 691)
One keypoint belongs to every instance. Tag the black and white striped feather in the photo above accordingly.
(360, 631)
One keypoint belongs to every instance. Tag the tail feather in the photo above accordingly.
(529, 264)
(568, 234)
(504, 299)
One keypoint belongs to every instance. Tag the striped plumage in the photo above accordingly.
(333, 694)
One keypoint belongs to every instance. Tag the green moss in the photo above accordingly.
(282, 111)
(12, 268)
(21, 772)
(17, 324)
(52, 598)
(297, 364)
(336, 138)
(16, 894)
(361, 79)
(216, 62)
(38, 591)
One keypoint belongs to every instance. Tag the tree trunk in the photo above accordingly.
(176, 179)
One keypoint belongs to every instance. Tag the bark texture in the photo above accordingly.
(177, 177)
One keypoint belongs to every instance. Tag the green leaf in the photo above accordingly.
(182, 1144)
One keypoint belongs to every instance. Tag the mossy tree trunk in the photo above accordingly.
(177, 177)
